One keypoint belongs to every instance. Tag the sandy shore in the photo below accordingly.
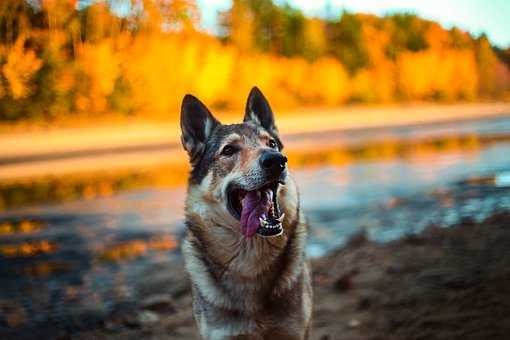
(33, 151)
(442, 284)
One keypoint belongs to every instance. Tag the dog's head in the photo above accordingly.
(238, 171)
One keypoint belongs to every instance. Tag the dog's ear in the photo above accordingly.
(197, 125)
(259, 111)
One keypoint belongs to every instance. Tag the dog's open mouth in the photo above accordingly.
(257, 210)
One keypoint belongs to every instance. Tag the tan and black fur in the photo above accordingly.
(243, 287)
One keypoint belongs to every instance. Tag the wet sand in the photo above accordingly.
(445, 283)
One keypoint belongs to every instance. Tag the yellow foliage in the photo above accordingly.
(145, 61)
(242, 26)
(331, 83)
(19, 69)
(446, 74)
(101, 66)
(214, 73)
(437, 37)
(162, 68)
(374, 84)
(315, 36)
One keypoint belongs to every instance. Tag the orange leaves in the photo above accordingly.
(19, 69)
(438, 74)
(330, 82)
(92, 59)
(162, 68)
(100, 65)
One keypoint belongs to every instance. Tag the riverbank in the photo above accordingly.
(34, 151)
(445, 283)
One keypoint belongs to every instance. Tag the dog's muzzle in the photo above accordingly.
(257, 207)
(273, 163)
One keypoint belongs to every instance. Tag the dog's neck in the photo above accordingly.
(239, 274)
(233, 254)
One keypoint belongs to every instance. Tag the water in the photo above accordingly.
(389, 199)
(66, 265)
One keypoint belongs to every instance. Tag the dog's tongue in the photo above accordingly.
(255, 205)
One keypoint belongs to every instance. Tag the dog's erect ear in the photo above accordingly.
(259, 111)
(197, 124)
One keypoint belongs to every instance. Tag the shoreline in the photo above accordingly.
(143, 143)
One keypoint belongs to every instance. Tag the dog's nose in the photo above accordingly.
(273, 162)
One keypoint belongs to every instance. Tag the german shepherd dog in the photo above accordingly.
(246, 234)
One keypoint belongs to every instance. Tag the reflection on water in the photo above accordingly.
(87, 186)
(131, 249)
(395, 197)
(28, 249)
(21, 226)
(65, 265)
(317, 150)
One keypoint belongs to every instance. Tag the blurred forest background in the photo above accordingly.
(93, 176)
(62, 58)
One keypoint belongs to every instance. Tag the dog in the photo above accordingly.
(246, 233)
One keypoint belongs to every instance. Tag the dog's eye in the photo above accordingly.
(228, 150)
(272, 144)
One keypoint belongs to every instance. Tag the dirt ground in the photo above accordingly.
(442, 284)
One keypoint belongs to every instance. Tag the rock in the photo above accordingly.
(147, 318)
(144, 318)
(365, 302)
(354, 323)
(160, 303)
(112, 325)
(344, 281)
(119, 313)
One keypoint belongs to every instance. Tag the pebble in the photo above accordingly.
(142, 318)
(146, 318)
(161, 303)
(354, 323)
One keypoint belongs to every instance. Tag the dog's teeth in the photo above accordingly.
(280, 219)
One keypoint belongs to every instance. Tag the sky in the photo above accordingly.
(475, 16)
